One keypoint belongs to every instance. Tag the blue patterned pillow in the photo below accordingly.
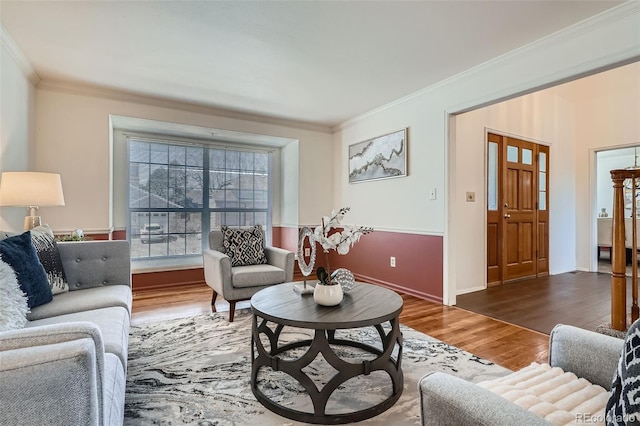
(244, 246)
(20, 254)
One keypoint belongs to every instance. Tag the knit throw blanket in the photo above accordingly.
(559, 397)
(624, 405)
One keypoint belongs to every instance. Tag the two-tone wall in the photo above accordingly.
(453, 164)
(437, 243)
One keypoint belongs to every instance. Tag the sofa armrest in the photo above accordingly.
(448, 400)
(587, 354)
(96, 263)
(282, 259)
(217, 270)
(60, 367)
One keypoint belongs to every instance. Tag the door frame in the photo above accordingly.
(488, 130)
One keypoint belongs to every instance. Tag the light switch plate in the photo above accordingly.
(471, 197)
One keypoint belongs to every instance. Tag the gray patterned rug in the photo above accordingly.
(197, 371)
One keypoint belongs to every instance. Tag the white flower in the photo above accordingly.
(339, 241)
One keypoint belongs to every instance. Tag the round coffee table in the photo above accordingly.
(366, 305)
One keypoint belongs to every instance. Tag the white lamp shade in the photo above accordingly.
(27, 189)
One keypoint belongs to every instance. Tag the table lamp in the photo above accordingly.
(31, 190)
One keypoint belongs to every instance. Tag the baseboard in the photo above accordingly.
(470, 290)
(167, 279)
(399, 288)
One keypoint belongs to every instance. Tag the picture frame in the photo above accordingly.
(382, 157)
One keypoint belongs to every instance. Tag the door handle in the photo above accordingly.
(507, 215)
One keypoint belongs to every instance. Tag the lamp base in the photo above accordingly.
(31, 222)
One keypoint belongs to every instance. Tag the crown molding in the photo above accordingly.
(20, 59)
(629, 8)
(81, 89)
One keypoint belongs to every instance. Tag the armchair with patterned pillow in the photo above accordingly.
(238, 264)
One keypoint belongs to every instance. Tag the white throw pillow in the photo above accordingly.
(13, 302)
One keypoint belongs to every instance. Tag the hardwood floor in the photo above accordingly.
(582, 299)
(505, 344)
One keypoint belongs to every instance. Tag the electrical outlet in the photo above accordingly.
(393, 262)
(307, 251)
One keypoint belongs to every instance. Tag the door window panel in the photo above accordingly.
(492, 172)
(512, 154)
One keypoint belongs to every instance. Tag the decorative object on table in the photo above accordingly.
(344, 278)
(77, 235)
(379, 158)
(31, 190)
(341, 241)
(305, 268)
(327, 294)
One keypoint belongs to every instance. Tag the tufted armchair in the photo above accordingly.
(241, 282)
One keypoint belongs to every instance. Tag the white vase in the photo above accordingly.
(327, 295)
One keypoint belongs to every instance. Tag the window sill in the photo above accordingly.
(139, 266)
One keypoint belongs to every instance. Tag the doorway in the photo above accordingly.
(517, 209)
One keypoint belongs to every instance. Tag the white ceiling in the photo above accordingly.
(320, 62)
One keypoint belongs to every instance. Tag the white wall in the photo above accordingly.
(541, 117)
(605, 162)
(403, 204)
(606, 117)
(73, 139)
(17, 128)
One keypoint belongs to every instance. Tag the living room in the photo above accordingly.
(68, 127)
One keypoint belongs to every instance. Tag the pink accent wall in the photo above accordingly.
(418, 268)
(285, 237)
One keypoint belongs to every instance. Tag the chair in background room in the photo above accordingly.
(237, 265)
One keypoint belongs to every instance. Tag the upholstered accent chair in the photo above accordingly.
(236, 283)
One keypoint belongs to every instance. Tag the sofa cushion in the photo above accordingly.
(244, 246)
(112, 322)
(47, 249)
(13, 301)
(84, 300)
(114, 390)
(256, 275)
(558, 397)
(19, 253)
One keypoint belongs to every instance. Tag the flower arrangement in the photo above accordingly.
(76, 235)
(340, 241)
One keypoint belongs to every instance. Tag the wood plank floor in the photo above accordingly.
(505, 344)
(582, 299)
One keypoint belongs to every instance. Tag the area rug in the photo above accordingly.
(197, 371)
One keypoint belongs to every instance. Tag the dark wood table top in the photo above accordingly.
(366, 304)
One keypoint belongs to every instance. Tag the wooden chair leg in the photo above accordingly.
(232, 310)
(213, 301)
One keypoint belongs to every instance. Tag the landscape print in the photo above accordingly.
(379, 158)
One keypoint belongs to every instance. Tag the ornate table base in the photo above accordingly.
(320, 344)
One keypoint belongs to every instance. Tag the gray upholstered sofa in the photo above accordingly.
(68, 365)
(447, 400)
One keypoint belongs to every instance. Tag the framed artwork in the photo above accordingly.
(382, 157)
